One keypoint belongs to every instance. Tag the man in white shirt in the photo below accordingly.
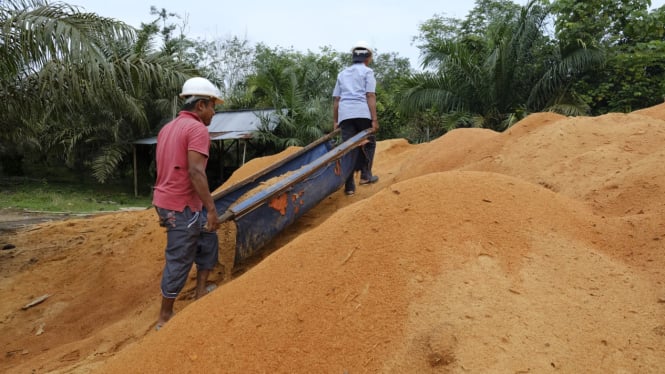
(354, 110)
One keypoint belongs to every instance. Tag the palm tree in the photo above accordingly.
(299, 88)
(74, 84)
(41, 46)
(495, 80)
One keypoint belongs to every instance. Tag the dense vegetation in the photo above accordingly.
(78, 88)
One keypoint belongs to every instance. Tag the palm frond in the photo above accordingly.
(105, 164)
(36, 32)
(513, 69)
(562, 73)
(424, 91)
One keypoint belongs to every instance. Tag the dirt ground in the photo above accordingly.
(15, 219)
(540, 249)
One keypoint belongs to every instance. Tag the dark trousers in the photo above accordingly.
(351, 127)
(186, 243)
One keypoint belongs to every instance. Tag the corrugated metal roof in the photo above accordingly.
(242, 121)
(231, 135)
(233, 125)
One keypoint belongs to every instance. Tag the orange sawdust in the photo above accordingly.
(255, 165)
(537, 249)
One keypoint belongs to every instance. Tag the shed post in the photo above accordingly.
(136, 188)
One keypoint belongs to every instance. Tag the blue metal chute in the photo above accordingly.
(223, 199)
(307, 177)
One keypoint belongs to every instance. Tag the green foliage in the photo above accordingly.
(88, 87)
(487, 14)
(493, 73)
(632, 80)
(298, 86)
(597, 23)
(389, 69)
(632, 38)
(51, 57)
(429, 125)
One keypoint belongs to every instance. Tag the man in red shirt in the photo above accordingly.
(181, 192)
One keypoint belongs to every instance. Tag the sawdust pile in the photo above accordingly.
(533, 250)
(255, 165)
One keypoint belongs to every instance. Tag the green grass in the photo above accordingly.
(39, 195)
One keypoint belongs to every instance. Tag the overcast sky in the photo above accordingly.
(388, 25)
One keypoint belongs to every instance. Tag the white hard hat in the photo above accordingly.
(201, 87)
(361, 44)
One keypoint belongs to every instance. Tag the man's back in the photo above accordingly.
(353, 84)
(173, 188)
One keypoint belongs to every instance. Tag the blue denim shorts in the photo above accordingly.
(186, 243)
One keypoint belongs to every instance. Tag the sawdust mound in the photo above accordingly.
(255, 165)
(532, 250)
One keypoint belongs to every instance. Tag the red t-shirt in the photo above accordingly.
(173, 189)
